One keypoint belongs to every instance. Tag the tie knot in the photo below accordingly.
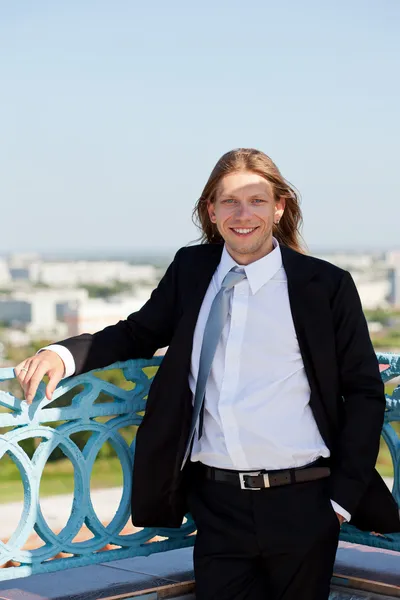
(234, 276)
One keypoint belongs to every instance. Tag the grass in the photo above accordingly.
(58, 478)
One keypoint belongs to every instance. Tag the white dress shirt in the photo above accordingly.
(256, 413)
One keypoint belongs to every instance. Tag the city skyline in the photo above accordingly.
(138, 253)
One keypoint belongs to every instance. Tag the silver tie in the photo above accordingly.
(212, 333)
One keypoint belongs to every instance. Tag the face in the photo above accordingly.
(244, 212)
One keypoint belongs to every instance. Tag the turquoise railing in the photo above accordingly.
(390, 369)
(23, 422)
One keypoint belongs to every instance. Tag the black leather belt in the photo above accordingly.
(258, 480)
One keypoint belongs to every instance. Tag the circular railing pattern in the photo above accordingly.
(125, 409)
(30, 422)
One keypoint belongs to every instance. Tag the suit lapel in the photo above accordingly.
(306, 298)
(193, 294)
(203, 270)
(310, 309)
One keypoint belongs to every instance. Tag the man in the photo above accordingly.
(265, 416)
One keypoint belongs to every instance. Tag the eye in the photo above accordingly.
(259, 200)
(228, 201)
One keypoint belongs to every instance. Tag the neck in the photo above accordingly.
(246, 258)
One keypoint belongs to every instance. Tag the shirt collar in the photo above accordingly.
(257, 272)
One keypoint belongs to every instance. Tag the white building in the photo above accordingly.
(349, 261)
(22, 260)
(89, 272)
(393, 259)
(370, 274)
(394, 278)
(19, 265)
(40, 312)
(374, 294)
(94, 314)
(5, 276)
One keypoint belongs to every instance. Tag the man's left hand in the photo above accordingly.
(341, 518)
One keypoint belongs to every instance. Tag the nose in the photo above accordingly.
(243, 211)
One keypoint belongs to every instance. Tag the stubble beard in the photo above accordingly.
(252, 247)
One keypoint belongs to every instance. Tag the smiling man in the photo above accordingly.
(264, 418)
(244, 212)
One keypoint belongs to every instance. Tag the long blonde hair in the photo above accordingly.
(248, 159)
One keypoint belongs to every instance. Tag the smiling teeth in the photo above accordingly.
(244, 230)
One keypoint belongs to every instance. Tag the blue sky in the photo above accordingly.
(114, 113)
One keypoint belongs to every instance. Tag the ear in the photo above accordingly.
(280, 208)
(211, 211)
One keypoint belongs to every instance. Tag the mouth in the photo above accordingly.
(243, 231)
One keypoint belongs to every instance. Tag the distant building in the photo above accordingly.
(39, 312)
(22, 260)
(89, 272)
(393, 259)
(14, 310)
(350, 261)
(394, 282)
(94, 314)
(19, 273)
(5, 276)
(370, 274)
(373, 294)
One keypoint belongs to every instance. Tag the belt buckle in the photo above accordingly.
(243, 485)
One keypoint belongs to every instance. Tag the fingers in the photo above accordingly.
(54, 379)
(21, 370)
(31, 372)
(33, 378)
(341, 518)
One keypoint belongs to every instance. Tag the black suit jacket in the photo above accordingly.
(347, 393)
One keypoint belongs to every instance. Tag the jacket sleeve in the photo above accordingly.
(362, 390)
(138, 336)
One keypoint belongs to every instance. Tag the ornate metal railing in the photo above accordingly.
(390, 369)
(126, 408)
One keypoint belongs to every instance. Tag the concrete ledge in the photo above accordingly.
(374, 573)
(365, 562)
(160, 575)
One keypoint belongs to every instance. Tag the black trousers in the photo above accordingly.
(274, 544)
